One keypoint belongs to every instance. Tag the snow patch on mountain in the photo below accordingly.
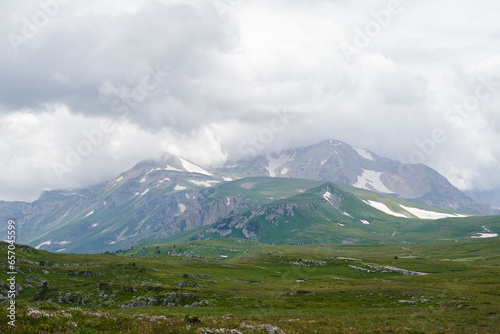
(60, 250)
(419, 213)
(145, 192)
(104, 231)
(365, 222)
(284, 171)
(94, 225)
(277, 160)
(384, 208)
(88, 214)
(119, 179)
(425, 214)
(327, 196)
(370, 180)
(48, 243)
(227, 179)
(178, 187)
(182, 208)
(143, 179)
(165, 179)
(334, 144)
(192, 168)
(205, 183)
(364, 153)
(483, 235)
(170, 168)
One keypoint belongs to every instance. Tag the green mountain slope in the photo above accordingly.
(329, 214)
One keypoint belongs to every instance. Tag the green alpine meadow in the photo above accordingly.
(254, 254)
(233, 285)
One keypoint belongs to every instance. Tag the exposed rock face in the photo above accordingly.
(249, 226)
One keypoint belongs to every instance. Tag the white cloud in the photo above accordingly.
(225, 74)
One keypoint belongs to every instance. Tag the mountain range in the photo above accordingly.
(329, 192)
(338, 162)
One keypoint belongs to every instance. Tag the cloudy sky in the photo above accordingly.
(89, 88)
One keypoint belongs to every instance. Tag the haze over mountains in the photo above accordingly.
(485, 196)
(330, 183)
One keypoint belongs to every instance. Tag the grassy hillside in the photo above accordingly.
(250, 287)
(341, 217)
(262, 190)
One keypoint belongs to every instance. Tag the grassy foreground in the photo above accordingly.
(239, 286)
